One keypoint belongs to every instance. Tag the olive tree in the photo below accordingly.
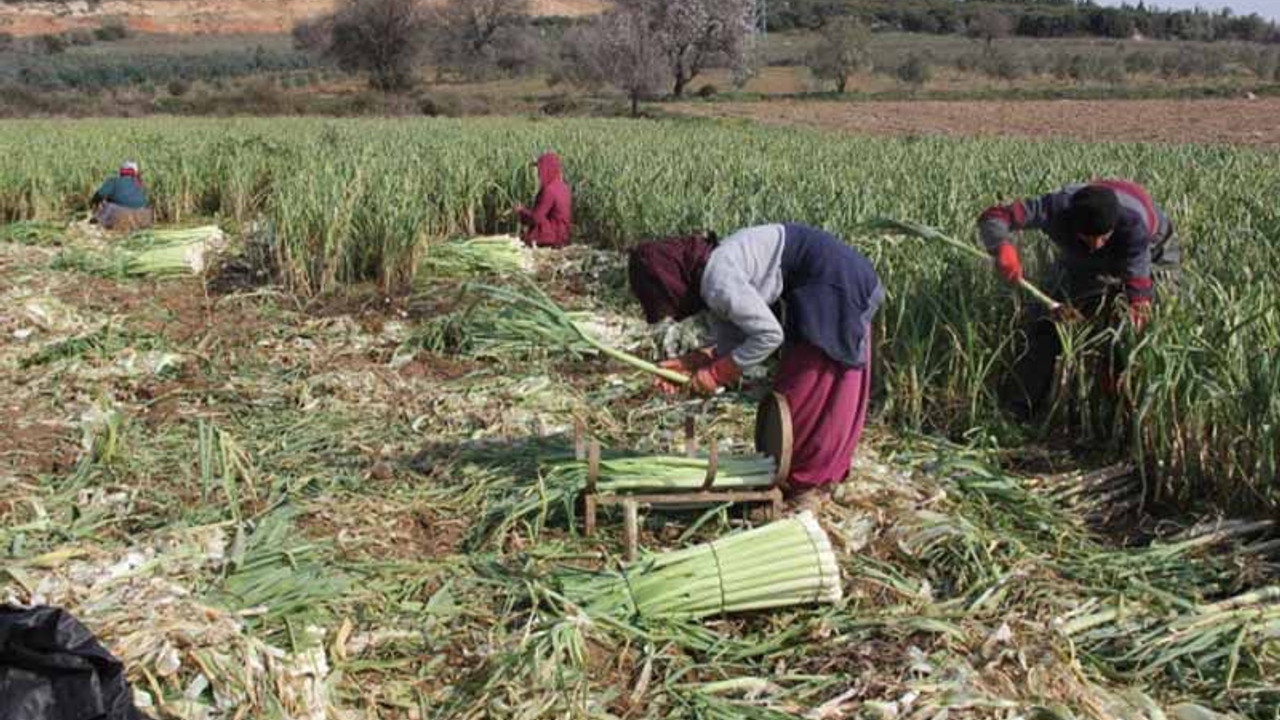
(843, 50)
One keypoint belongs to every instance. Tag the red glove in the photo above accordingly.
(1008, 266)
(685, 365)
(1139, 313)
(724, 371)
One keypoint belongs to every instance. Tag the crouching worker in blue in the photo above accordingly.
(121, 202)
(1111, 240)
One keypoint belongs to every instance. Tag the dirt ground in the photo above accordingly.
(1241, 122)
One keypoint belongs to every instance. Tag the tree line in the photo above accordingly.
(1029, 18)
(642, 47)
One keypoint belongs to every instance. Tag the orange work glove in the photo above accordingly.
(1008, 266)
(1140, 313)
(685, 365)
(724, 371)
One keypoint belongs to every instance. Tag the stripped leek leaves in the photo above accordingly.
(551, 323)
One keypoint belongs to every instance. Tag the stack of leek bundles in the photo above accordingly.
(788, 562)
(161, 253)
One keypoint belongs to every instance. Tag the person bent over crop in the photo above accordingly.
(121, 202)
(547, 224)
(830, 293)
(1110, 237)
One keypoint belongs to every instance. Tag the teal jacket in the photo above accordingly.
(126, 192)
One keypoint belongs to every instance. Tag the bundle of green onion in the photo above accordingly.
(494, 254)
(675, 472)
(563, 480)
(789, 562)
(542, 319)
(169, 252)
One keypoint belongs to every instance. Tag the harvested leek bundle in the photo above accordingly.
(676, 472)
(789, 562)
(543, 319)
(565, 479)
(170, 252)
(495, 254)
(175, 259)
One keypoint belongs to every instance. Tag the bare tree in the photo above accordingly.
(474, 34)
(382, 37)
(990, 25)
(693, 34)
(843, 50)
(618, 49)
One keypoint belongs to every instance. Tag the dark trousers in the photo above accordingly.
(1094, 296)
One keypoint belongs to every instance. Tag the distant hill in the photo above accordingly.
(188, 17)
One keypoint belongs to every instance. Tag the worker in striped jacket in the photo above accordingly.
(1110, 237)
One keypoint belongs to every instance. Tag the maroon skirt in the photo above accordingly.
(828, 403)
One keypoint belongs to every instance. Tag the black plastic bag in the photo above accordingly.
(53, 668)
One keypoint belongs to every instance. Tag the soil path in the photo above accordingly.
(1242, 122)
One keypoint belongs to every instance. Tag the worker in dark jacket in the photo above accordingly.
(830, 293)
(1111, 238)
(547, 224)
(121, 202)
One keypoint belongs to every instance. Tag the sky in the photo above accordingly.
(1269, 9)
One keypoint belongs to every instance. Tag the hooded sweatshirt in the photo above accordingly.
(547, 224)
(1136, 242)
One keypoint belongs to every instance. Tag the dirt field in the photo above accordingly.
(1244, 122)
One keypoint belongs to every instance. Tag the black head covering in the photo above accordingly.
(1093, 211)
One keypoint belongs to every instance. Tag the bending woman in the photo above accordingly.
(829, 292)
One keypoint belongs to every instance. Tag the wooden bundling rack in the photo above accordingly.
(708, 494)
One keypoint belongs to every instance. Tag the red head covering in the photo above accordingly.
(549, 169)
(666, 276)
